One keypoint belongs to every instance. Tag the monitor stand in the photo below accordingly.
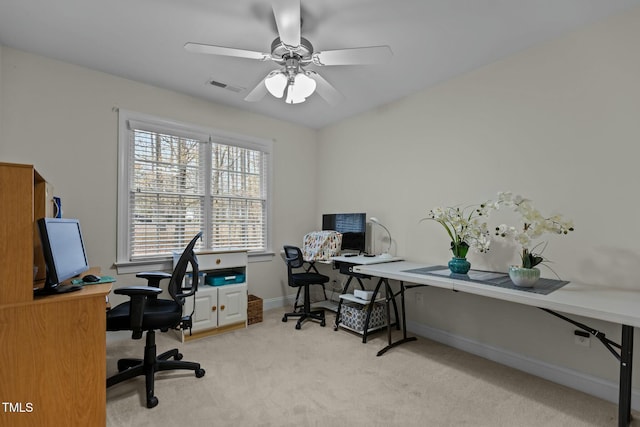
(54, 290)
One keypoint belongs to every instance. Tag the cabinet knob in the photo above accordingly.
(218, 261)
(222, 307)
(214, 308)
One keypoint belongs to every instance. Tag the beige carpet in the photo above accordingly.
(273, 375)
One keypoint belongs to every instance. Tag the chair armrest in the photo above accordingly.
(138, 295)
(154, 277)
(132, 291)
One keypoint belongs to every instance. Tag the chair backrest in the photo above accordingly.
(176, 288)
(293, 256)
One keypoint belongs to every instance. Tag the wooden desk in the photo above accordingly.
(53, 359)
(53, 348)
(596, 302)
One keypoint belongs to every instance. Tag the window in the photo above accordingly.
(176, 180)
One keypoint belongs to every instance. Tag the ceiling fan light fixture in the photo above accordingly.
(304, 85)
(276, 84)
(300, 88)
(291, 98)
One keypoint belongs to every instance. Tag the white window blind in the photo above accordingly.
(238, 197)
(166, 193)
(181, 181)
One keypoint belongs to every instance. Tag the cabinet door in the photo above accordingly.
(232, 300)
(206, 313)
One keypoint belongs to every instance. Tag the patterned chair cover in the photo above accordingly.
(321, 245)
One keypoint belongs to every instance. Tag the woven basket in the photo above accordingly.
(254, 310)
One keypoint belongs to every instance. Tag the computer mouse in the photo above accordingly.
(90, 278)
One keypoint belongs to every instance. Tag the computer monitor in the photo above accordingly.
(63, 250)
(353, 227)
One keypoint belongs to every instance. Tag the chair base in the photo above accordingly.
(305, 311)
(129, 368)
(315, 315)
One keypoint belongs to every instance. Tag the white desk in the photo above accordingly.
(596, 302)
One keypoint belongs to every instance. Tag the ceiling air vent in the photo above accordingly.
(225, 86)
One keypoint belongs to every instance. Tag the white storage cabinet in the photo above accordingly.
(218, 308)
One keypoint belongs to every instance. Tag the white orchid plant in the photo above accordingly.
(534, 226)
(467, 227)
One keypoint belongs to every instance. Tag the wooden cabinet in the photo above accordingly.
(53, 348)
(219, 308)
(23, 199)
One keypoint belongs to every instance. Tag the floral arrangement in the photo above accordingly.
(534, 225)
(467, 227)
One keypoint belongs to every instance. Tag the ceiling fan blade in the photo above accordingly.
(287, 14)
(325, 89)
(225, 51)
(258, 92)
(355, 56)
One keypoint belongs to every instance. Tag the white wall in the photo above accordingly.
(59, 117)
(557, 123)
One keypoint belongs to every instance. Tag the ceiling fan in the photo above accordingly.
(293, 53)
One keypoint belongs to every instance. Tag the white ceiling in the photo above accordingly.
(432, 41)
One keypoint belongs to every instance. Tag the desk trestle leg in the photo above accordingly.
(392, 297)
(625, 357)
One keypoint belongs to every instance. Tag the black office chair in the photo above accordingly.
(145, 312)
(294, 260)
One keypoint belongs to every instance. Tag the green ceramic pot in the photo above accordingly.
(524, 277)
(459, 265)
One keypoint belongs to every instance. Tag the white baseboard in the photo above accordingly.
(271, 303)
(594, 386)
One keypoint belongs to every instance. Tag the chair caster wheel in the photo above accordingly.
(335, 328)
(284, 319)
(298, 326)
(178, 356)
(323, 324)
(200, 373)
(152, 402)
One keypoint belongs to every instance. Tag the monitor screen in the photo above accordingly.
(353, 227)
(63, 249)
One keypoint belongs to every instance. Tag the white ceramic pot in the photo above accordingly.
(524, 277)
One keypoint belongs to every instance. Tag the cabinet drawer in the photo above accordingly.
(216, 260)
(219, 260)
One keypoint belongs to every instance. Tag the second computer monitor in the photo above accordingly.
(353, 227)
